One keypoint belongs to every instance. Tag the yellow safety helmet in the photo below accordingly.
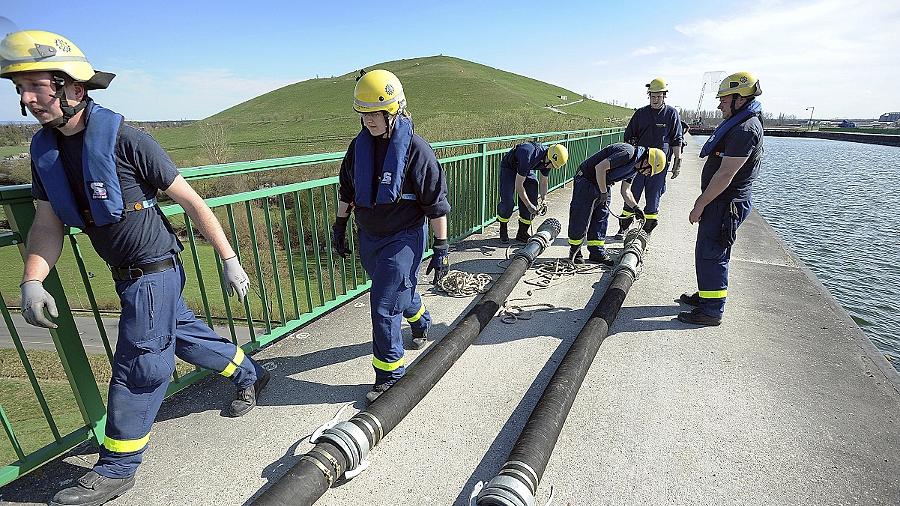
(741, 83)
(40, 51)
(557, 155)
(657, 85)
(657, 160)
(379, 90)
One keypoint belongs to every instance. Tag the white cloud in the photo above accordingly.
(835, 55)
(646, 51)
(196, 94)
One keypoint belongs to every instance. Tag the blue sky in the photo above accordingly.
(192, 59)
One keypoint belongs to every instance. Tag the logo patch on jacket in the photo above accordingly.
(386, 178)
(98, 190)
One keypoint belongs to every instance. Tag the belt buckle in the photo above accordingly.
(132, 270)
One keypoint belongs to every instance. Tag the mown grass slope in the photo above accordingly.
(449, 98)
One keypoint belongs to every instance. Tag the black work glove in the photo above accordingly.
(339, 236)
(676, 168)
(440, 260)
(639, 214)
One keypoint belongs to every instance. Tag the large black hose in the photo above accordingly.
(343, 447)
(518, 479)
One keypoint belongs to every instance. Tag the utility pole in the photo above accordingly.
(811, 110)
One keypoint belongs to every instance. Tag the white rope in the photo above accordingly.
(464, 284)
(549, 273)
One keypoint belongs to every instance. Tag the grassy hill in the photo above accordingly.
(449, 98)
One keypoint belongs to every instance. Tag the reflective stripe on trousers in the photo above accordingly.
(588, 216)
(716, 233)
(392, 263)
(154, 328)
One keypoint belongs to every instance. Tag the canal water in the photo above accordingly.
(837, 205)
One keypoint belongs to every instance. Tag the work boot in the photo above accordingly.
(246, 397)
(419, 339)
(624, 225)
(650, 224)
(601, 257)
(575, 255)
(504, 232)
(523, 235)
(378, 389)
(697, 317)
(92, 490)
(691, 300)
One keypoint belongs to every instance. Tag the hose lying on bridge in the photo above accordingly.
(343, 447)
(518, 479)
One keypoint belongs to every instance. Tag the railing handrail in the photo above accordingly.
(231, 168)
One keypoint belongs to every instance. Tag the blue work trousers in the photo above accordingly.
(716, 234)
(154, 328)
(652, 187)
(588, 215)
(509, 197)
(392, 262)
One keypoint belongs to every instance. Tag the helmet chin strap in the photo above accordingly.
(68, 111)
(389, 121)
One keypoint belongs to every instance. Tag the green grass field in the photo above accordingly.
(12, 150)
(881, 131)
(104, 288)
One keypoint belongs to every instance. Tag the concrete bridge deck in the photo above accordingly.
(786, 402)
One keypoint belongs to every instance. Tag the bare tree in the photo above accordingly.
(214, 140)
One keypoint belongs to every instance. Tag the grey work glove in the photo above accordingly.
(34, 300)
(676, 167)
(236, 278)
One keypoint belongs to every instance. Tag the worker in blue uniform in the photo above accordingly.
(733, 157)
(589, 210)
(92, 171)
(392, 181)
(518, 178)
(655, 126)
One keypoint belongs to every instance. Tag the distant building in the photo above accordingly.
(889, 117)
(847, 124)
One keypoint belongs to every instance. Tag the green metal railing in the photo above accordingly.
(282, 236)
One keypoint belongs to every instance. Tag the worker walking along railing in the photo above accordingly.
(53, 384)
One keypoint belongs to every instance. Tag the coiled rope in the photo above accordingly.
(464, 284)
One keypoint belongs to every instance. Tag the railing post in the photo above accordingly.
(19, 208)
(482, 203)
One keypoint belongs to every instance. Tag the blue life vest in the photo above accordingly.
(393, 170)
(752, 109)
(626, 170)
(100, 179)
